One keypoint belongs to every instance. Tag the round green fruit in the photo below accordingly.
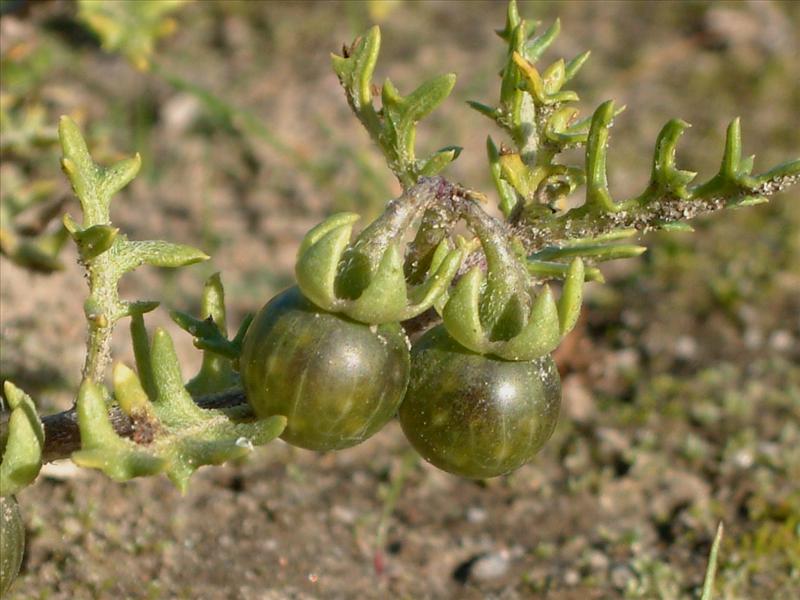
(336, 381)
(474, 415)
(12, 542)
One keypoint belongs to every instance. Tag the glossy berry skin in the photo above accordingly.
(337, 381)
(474, 415)
(12, 542)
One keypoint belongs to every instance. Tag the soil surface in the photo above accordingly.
(681, 402)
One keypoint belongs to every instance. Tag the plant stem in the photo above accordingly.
(62, 436)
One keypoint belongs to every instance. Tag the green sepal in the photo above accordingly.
(540, 335)
(461, 316)
(386, 297)
(318, 259)
(444, 267)
(101, 447)
(569, 304)
(22, 454)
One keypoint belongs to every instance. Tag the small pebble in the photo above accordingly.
(491, 566)
(620, 575)
(572, 577)
(476, 514)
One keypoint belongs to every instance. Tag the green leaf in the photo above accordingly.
(216, 372)
(79, 167)
(37, 254)
(131, 27)
(512, 21)
(22, 455)
(598, 252)
(172, 403)
(545, 269)
(219, 440)
(400, 117)
(119, 175)
(711, 568)
(487, 111)
(439, 161)
(558, 127)
(536, 87)
(95, 240)
(102, 448)
(92, 184)
(574, 65)
(158, 254)
(666, 178)
(539, 44)
(517, 173)
(141, 352)
(508, 197)
(569, 305)
(598, 197)
(130, 394)
(355, 69)
(394, 127)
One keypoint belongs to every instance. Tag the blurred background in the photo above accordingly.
(681, 384)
